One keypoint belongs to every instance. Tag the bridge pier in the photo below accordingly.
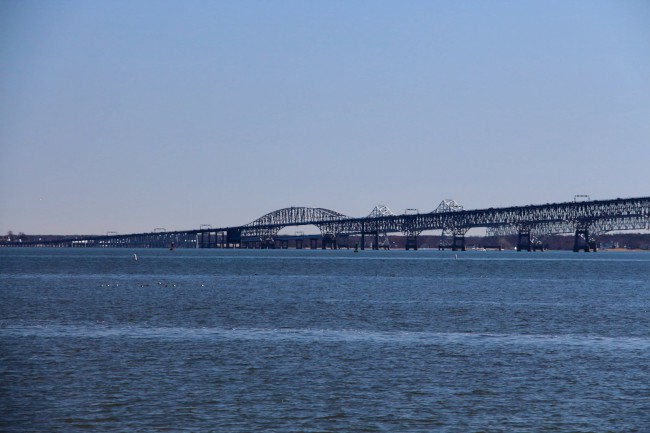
(458, 243)
(523, 240)
(443, 244)
(200, 240)
(233, 238)
(329, 240)
(581, 241)
(446, 238)
(411, 242)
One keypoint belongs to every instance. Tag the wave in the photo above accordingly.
(322, 335)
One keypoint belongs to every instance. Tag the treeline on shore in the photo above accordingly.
(632, 241)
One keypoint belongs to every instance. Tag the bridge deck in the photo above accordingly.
(585, 219)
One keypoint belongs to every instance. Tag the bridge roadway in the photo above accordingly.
(584, 219)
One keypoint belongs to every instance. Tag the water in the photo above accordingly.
(323, 341)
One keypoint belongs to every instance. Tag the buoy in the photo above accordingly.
(135, 257)
(456, 256)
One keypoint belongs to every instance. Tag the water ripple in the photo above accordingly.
(325, 335)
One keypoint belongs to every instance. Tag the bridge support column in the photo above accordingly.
(458, 243)
(203, 240)
(329, 240)
(411, 242)
(523, 240)
(375, 243)
(343, 241)
(446, 238)
(581, 241)
(233, 238)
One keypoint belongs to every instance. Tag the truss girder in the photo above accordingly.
(538, 228)
(380, 211)
(270, 224)
(613, 224)
(596, 216)
(297, 216)
(448, 205)
(618, 214)
(597, 226)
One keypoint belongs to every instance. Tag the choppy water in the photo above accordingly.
(323, 341)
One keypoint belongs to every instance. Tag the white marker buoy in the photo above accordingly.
(135, 257)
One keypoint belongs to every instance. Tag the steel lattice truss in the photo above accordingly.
(450, 230)
(267, 226)
(601, 216)
(380, 211)
(448, 205)
(585, 218)
(599, 226)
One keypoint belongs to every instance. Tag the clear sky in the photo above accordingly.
(132, 115)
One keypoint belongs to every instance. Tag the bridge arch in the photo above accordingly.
(267, 226)
(296, 216)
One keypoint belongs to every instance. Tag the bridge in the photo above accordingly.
(584, 219)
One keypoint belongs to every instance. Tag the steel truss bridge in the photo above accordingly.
(585, 220)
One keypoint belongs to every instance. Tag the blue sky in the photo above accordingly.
(127, 116)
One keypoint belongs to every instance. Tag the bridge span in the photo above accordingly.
(585, 220)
